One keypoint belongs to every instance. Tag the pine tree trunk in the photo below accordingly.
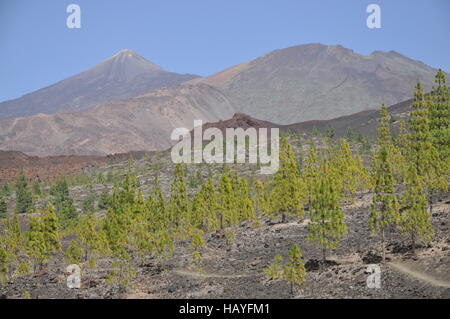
(413, 244)
(283, 218)
(324, 256)
(430, 202)
(382, 245)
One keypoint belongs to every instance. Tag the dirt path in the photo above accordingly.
(418, 275)
(209, 275)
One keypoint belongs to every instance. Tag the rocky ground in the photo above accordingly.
(236, 270)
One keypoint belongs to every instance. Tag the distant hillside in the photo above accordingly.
(363, 122)
(319, 82)
(314, 85)
(121, 76)
(140, 123)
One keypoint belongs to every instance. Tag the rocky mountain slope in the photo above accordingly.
(319, 82)
(123, 75)
(235, 270)
(303, 83)
(144, 122)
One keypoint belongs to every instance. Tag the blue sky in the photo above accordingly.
(203, 36)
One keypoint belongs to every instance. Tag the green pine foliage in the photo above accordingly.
(415, 219)
(422, 152)
(288, 189)
(63, 202)
(3, 207)
(261, 201)
(179, 204)
(43, 238)
(205, 207)
(245, 205)
(440, 117)
(24, 199)
(327, 223)
(385, 208)
(294, 270)
(228, 216)
(104, 200)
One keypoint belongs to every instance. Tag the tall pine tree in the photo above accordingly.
(327, 223)
(24, 199)
(288, 190)
(385, 208)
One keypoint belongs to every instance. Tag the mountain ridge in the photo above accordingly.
(123, 75)
(287, 86)
(315, 82)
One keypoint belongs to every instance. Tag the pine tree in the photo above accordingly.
(385, 208)
(204, 208)
(89, 237)
(402, 140)
(327, 224)
(158, 207)
(420, 138)
(3, 207)
(63, 203)
(36, 242)
(104, 200)
(14, 241)
(440, 116)
(400, 152)
(24, 200)
(244, 202)
(384, 137)
(5, 192)
(51, 231)
(179, 208)
(227, 202)
(422, 153)
(294, 271)
(3, 265)
(311, 170)
(415, 220)
(275, 269)
(88, 203)
(261, 198)
(287, 195)
(197, 244)
(37, 189)
(43, 237)
(351, 175)
(120, 213)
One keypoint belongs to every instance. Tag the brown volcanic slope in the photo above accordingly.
(364, 122)
(307, 82)
(43, 168)
(51, 167)
(318, 82)
(121, 76)
(143, 123)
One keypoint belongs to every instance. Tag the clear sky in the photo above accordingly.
(203, 36)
